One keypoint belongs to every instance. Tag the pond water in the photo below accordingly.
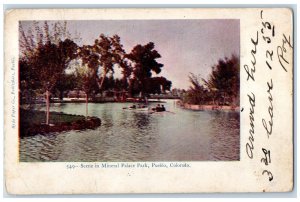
(127, 135)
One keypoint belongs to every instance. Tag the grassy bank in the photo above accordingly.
(32, 122)
(39, 117)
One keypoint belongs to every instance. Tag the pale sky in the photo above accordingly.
(184, 45)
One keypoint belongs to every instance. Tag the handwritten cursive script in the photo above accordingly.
(269, 125)
(250, 145)
(282, 51)
(251, 71)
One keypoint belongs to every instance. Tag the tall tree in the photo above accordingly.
(86, 79)
(224, 81)
(48, 53)
(50, 61)
(103, 55)
(144, 63)
(196, 94)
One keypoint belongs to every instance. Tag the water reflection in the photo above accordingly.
(179, 135)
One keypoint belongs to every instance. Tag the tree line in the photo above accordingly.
(48, 50)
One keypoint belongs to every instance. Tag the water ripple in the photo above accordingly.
(129, 136)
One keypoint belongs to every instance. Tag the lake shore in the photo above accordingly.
(208, 107)
(32, 122)
(82, 100)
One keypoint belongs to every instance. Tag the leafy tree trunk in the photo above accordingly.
(47, 107)
(86, 104)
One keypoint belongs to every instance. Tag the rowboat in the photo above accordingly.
(136, 109)
(142, 109)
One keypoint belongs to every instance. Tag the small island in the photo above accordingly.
(33, 122)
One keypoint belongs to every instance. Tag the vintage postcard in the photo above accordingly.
(148, 100)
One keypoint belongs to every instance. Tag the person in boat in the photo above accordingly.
(132, 107)
(156, 108)
(159, 108)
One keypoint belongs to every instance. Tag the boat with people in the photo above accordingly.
(159, 108)
(137, 107)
